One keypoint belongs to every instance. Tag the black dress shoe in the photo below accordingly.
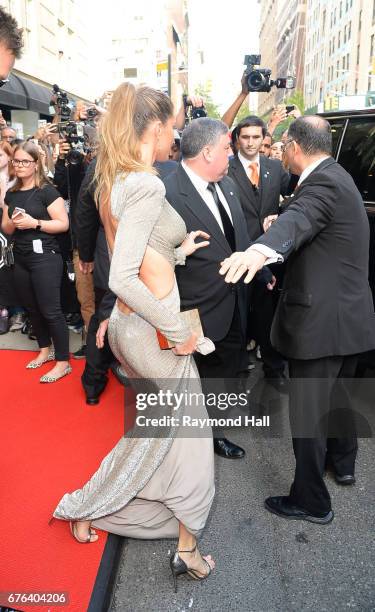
(347, 479)
(227, 449)
(92, 401)
(282, 506)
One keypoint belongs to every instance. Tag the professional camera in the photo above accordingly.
(73, 133)
(61, 103)
(193, 112)
(259, 79)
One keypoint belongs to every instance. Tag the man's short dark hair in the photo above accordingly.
(312, 133)
(251, 121)
(10, 34)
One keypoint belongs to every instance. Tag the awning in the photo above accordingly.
(13, 94)
(38, 97)
(24, 94)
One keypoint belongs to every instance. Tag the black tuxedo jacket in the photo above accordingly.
(326, 306)
(259, 203)
(199, 282)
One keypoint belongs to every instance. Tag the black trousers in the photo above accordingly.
(322, 427)
(95, 375)
(37, 279)
(263, 306)
(224, 363)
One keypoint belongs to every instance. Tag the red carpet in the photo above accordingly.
(51, 443)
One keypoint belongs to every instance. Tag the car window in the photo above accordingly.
(357, 155)
(337, 126)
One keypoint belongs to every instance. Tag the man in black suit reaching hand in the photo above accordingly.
(206, 199)
(325, 316)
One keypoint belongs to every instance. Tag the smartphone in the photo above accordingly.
(42, 123)
(18, 211)
(290, 108)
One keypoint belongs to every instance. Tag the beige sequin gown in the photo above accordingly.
(144, 486)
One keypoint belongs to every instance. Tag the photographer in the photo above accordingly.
(70, 170)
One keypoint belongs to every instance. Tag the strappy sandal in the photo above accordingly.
(72, 525)
(178, 567)
(32, 365)
(47, 378)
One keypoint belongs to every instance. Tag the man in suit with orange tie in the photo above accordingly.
(260, 183)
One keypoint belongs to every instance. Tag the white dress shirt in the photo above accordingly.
(201, 186)
(273, 256)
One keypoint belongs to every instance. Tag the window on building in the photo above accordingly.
(373, 12)
(358, 52)
(334, 16)
(333, 45)
(343, 61)
(345, 35)
(356, 87)
(339, 40)
(360, 21)
(346, 89)
(330, 47)
(324, 20)
(347, 62)
(340, 10)
(369, 84)
(372, 47)
(349, 30)
(337, 69)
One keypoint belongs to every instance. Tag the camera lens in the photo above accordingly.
(256, 80)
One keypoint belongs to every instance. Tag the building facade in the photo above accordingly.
(59, 47)
(291, 17)
(268, 38)
(340, 52)
(152, 48)
(282, 46)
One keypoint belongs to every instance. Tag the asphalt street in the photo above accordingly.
(264, 563)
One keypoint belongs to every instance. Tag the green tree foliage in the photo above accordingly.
(212, 109)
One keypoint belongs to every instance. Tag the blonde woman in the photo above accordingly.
(34, 213)
(156, 487)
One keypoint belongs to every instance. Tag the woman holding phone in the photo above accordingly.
(34, 213)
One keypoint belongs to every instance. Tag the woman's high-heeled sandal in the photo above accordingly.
(178, 567)
(72, 525)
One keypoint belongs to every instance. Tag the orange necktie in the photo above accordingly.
(254, 174)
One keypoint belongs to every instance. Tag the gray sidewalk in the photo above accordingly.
(264, 563)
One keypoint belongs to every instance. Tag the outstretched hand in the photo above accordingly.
(189, 246)
(238, 264)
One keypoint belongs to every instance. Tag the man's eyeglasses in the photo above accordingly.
(284, 146)
(25, 163)
(3, 82)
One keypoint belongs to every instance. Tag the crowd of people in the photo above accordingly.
(160, 222)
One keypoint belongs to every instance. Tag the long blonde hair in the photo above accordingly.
(130, 112)
(40, 176)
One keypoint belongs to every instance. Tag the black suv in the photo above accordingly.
(354, 148)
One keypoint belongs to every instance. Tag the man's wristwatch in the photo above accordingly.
(39, 226)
